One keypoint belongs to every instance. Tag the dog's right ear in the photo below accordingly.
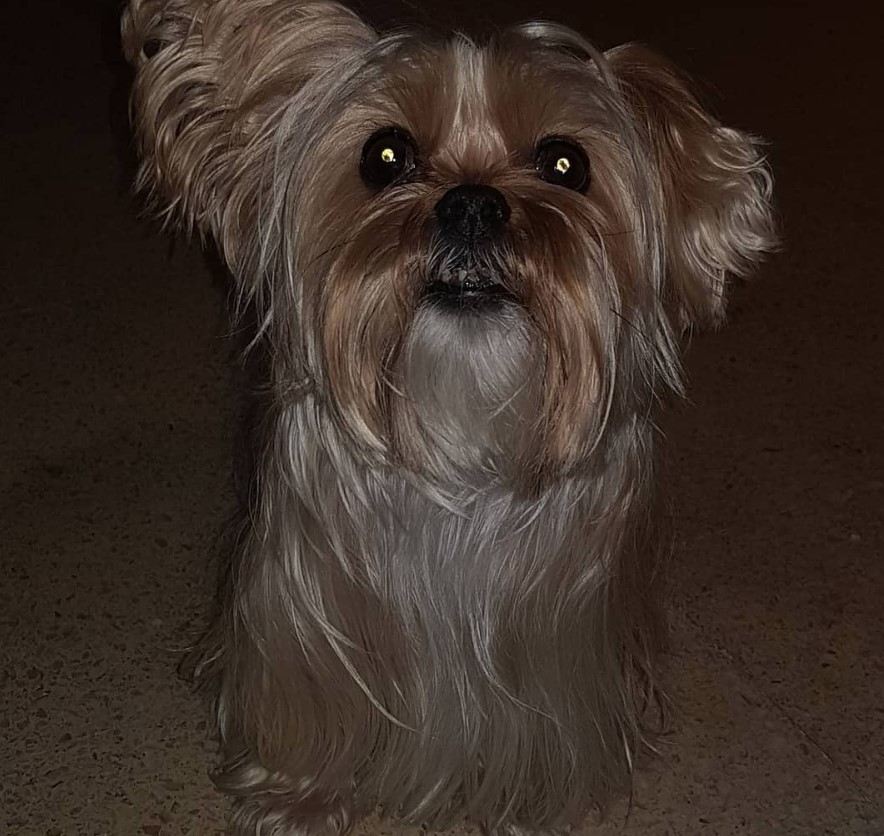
(210, 78)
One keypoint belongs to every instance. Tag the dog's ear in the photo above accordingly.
(714, 186)
(210, 78)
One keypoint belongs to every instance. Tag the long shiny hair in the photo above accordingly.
(443, 594)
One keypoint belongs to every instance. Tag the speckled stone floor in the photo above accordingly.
(115, 446)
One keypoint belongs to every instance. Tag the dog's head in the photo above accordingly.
(477, 256)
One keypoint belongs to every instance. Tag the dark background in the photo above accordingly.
(115, 442)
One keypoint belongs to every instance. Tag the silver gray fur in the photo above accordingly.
(442, 598)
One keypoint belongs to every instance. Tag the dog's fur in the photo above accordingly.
(443, 598)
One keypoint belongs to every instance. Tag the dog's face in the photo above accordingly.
(477, 256)
(469, 225)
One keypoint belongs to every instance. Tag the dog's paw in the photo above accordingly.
(271, 814)
(268, 803)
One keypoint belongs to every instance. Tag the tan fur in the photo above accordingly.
(443, 595)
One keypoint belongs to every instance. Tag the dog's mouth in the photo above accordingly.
(471, 288)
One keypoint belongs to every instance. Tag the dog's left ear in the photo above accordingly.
(714, 186)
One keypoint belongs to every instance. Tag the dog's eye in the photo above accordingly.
(389, 155)
(563, 163)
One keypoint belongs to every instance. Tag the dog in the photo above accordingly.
(472, 265)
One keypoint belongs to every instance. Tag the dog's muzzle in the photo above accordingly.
(471, 218)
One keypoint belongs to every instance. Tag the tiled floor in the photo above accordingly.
(115, 441)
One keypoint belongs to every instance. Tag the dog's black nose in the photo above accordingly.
(472, 214)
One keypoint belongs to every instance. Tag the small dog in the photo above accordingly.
(472, 264)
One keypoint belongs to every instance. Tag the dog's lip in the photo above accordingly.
(466, 287)
(468, 293)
